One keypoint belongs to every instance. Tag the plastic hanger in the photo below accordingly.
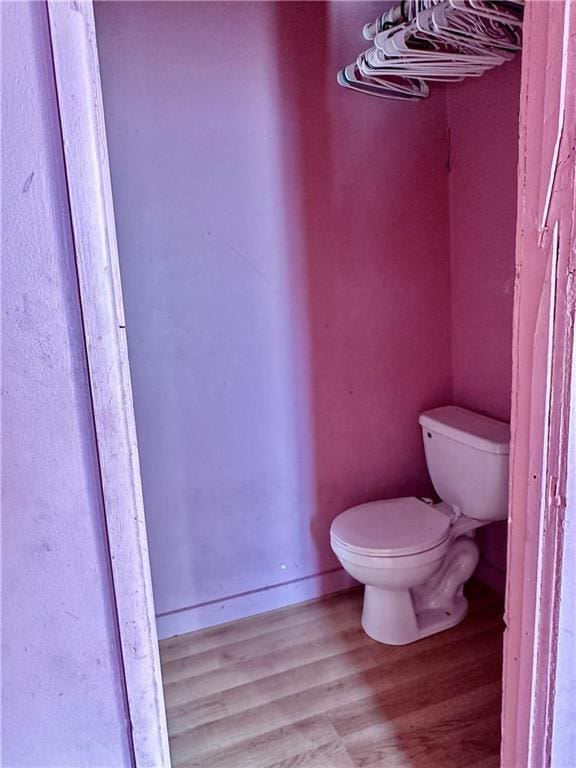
(434, 40)
(403, 89)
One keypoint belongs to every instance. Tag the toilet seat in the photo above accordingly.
(391, 528)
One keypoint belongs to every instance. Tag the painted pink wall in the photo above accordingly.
(62, 694)
(483, 124)
(285, 260)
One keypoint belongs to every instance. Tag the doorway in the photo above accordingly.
(121, 326)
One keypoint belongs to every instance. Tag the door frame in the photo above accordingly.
(542, 354)
(543, 365)
(79, 93)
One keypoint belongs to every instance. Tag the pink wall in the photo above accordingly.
(285, 262)
(483, 125)
(62, 688)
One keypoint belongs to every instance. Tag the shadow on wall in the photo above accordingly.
(365, 201)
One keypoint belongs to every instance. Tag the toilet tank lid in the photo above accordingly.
(467, 427)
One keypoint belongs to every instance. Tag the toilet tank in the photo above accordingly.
(467, 458)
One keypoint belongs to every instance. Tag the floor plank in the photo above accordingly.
(304, 687)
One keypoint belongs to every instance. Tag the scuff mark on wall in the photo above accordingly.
(27, 183)
(246, 260)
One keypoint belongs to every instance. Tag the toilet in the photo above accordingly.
(414, 556)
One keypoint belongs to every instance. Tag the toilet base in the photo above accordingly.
(401, 616)
(388, 616)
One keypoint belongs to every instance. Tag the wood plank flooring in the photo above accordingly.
(304, 687)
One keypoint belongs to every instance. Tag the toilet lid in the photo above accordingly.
(391, 528)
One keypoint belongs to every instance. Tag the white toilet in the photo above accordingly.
(415, 556)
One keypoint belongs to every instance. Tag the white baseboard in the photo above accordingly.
(492, 576)
(280, 596)
(251, 603)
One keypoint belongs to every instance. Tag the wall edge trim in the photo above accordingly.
(78, 89)
(253, 603)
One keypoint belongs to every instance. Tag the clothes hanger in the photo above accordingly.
(407, 90)
(511, 13)
(392, 87)
(480, 31)
(376, 62)
(406, 47)
(434, 40)
(397, 81)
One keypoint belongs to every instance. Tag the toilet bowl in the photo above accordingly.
(413, 556)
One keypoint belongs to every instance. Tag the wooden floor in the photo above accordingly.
(304, 687)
